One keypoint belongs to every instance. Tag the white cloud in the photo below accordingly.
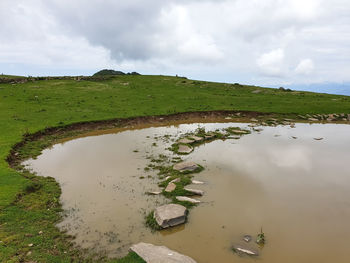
(306, 66)
(259, 41)
(271, 63)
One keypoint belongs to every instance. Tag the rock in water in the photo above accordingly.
(209, 136)
(184, 149)
(247, 238)
(187, 199)
(185, 167)
(170, 188)
(194, 191)
(239, 131)
(153, 193)
(197, 138)
(196, 182)
(170, 215)
(176, 180)
(186, 141)
(159, 254)
(247, 251)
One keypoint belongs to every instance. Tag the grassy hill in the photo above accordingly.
(10, 76)
(30, 204)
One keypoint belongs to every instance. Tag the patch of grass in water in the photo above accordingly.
(151, 222)
(132, 257)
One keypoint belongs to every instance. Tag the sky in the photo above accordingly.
(289, 43)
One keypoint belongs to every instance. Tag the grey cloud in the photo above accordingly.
(129, 29)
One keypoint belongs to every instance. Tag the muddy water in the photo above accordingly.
(297, 190)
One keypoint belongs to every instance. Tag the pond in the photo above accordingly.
(294, 183)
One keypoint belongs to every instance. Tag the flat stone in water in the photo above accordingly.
(154, 193)
(170, 215)
(185, 166)
(184, 149)
(197, 138)
(195, 191)
(187, 199)
(196, 182)
(170, 187)
(209, 136)
(159, 254)
(239, 131)
(186, 140)
(176, 180)
(247, 251)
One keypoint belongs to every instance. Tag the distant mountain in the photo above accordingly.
(330, 88)
(111, 72)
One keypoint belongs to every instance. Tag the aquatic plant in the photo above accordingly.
(261, 237)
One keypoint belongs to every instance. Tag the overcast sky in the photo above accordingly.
(262, 42)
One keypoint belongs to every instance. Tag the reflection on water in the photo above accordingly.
(297, 190)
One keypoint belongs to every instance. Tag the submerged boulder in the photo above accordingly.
(170, 215)
(159, 254)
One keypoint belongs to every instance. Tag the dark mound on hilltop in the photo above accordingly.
(111, 72)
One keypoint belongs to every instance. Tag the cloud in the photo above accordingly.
(306, 66)
(263, 42)
(271, 63)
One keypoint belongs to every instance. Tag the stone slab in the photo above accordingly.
(170, 215)
(187, 199)
(185, 166)
(244, 250)
(159, 254)
(197, 138)
(196, 182)
(194, 191)
(184, 149)
(170, 187)
(186, 141)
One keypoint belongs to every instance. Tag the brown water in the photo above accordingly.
(298, 190)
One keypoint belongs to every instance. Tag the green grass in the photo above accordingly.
(30, 204)
(10, 76)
